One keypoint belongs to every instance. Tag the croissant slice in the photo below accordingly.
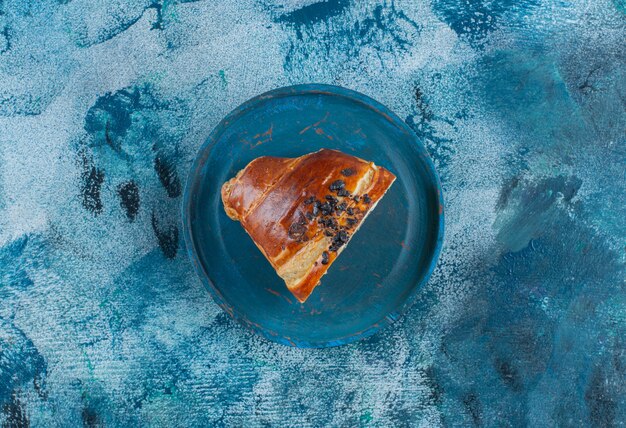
(301, 212)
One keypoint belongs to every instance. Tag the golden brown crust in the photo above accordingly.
(278, 202)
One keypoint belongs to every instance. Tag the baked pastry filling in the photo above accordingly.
(301, 212)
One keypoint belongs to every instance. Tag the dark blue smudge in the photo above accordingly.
(90, 418)
(600, 400)
(544, 192)
(313, 13)
(95, 403)
(128, 193)
(386, 30)
(91, 185)
(222, 320)
(383, 21)
(473, 407)
(167, 237)
(505, 192)
(168, 176)
(475, 19)
(303, 18)
(24, 105)
(21, 364)
(7, 40)
(434, 385)
(15, 414)
(509, 375)
(109, 119)
(12, 271)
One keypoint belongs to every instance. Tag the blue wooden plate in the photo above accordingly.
(377, 277)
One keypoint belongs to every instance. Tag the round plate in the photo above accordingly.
(377, 277)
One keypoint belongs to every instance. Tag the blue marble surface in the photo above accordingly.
(103, 105)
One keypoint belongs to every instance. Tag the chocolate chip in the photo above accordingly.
(341, 207)
(328, 233)
(348, 172)
(330, 223)
(309, 216)
(356, 198)
(343, 192)
(337, 184)
(352, 221)
(331, 199)
(367, 199)
(339, 240)
(326, 208)
(309, 200)
(350, 211)
(316, 210)
(325, 257)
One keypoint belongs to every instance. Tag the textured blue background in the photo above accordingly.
(102, 108)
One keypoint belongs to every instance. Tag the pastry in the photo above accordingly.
(301, 212)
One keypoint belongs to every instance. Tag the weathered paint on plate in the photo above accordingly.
(379, 274)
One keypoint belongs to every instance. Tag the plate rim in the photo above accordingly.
(201, 157)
